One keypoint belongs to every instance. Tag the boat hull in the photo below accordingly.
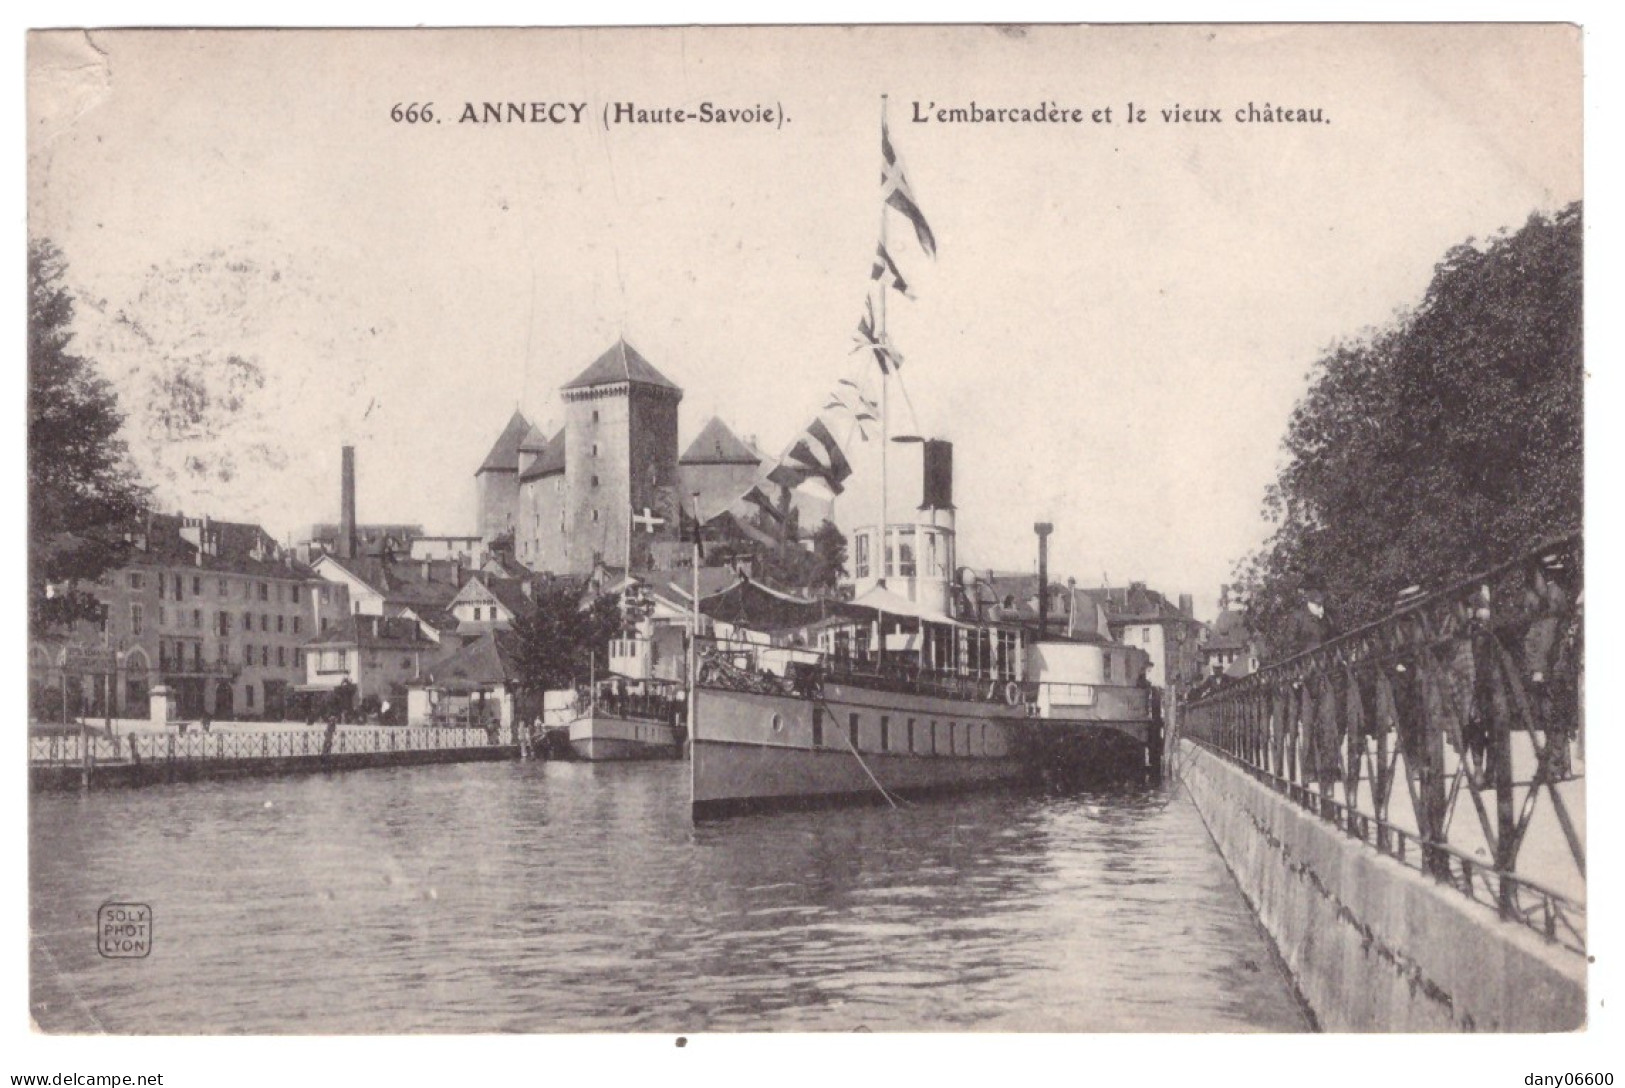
(756, 750)
(753, 750)
(605, 738)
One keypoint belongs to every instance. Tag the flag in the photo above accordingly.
(758, 499)
(815, 453)
(825, 459)
(868, 337)
(885, 270)
(897, 193)
(690, 531)
(854, 404)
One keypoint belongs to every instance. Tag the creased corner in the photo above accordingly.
(70, 73)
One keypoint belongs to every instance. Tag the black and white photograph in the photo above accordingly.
(681, 532)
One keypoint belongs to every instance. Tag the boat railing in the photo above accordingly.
(738, 667)
(613, 702)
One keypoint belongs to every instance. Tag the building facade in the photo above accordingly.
(216, 611)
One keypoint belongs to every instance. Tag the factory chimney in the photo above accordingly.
(346, 541)
(1043, 529)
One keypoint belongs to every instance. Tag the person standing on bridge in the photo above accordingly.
(1305, 630)
(1546, 604)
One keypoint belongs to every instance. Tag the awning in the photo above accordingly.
(884, 600)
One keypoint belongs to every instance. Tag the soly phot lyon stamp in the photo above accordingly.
(124, 930)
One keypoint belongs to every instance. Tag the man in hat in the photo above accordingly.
(1546, 603)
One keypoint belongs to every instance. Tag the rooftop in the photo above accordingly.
(220, 546)
(621, 363)
(717, 445)
(504, 455)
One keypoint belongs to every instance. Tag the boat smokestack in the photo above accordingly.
(346, 541)
(1043, 529)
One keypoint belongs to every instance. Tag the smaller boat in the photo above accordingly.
(621, 719)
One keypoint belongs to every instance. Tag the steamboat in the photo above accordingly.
(919, 683)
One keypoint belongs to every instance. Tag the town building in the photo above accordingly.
(487, 602)
(480, 685)
(1169, 633)
(216, 611)
(1230, 649)
(467, 551)
(375, 655)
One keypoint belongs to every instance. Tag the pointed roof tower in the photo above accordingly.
(621, 363)
(504, 455)
(535, 441)
(717, 445)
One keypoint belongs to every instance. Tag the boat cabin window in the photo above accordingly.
(885, 733)
(905, 552)
(910, 737)
(852, 731)
(818, 727)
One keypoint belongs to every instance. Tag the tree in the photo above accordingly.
(792, 566)
(82, 490)
(829, 550)
(1447, 442)
(558, 644)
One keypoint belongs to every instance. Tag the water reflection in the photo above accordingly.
(573, 897)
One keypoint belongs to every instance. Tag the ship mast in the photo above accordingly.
(883, 537)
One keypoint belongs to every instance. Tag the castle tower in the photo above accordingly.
(620, 457)
(497, 480)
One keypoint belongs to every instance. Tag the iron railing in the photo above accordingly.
(1448, 695)
(71, 750)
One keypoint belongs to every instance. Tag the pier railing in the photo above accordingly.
(1469, 698)
(72, 750)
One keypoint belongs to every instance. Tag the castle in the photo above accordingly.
(606, 487)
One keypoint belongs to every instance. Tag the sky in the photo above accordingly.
(1114, 331)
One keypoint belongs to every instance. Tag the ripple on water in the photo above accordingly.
(569, 897)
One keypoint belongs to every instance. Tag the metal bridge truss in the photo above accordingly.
(1440, 697)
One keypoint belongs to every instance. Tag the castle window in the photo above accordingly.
(135, 620)
(595, 481)
(595, 415)
(595, 449)
(595, 515)
(135, 579)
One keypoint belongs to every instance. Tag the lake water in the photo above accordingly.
(537, 897)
